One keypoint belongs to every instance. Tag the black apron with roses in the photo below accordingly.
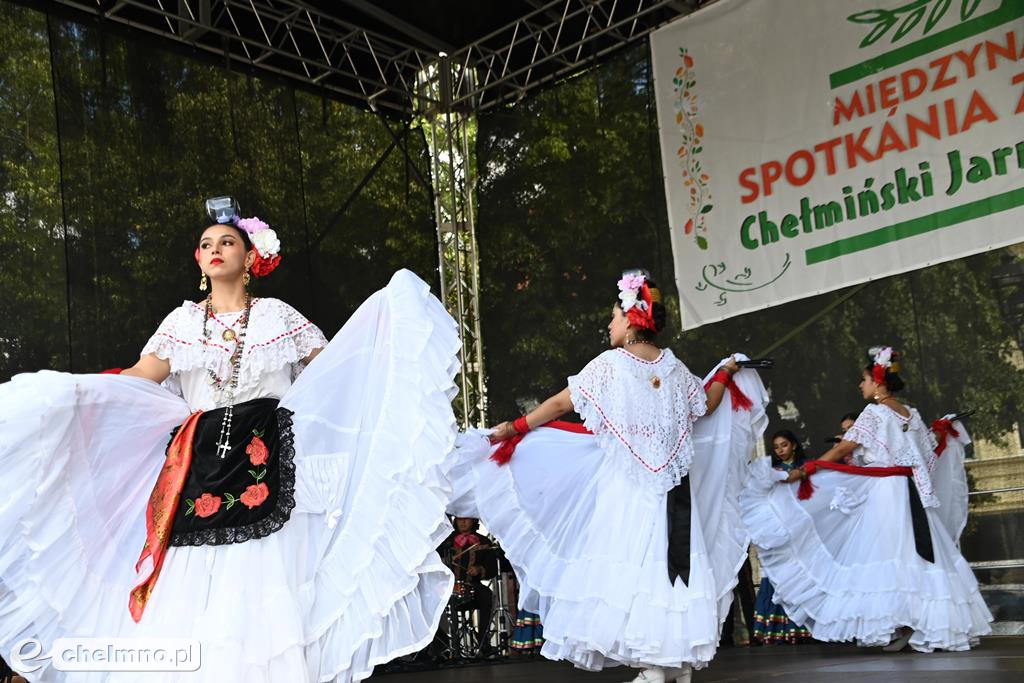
(250, 491)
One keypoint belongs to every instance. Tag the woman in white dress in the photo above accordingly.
(857, 552)
(597, 520)
(289, 525)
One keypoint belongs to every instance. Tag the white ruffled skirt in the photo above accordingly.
(844, 563)
(589, 546)
(351, 581)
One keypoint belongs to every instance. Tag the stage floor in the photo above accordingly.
(996, 660)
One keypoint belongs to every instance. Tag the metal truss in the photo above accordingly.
(326, 49)
(288, 39)
(556, 39)
(451, 137)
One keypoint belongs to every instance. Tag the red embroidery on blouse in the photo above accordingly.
(604, 417)
(279, 337)
(641, 360)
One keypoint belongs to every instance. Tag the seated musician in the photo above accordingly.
(469, 561)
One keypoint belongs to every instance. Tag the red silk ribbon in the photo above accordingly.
(640, 318)
(163, 502)
(806, 489)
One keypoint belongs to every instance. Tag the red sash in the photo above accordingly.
(806, 489)
(504, 452)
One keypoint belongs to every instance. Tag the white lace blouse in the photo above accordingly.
(278, 338)
(885, 439)
(642, 412)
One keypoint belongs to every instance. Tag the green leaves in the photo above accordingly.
(967, 8)
(907, 17)
(909, 22)
(938, 11)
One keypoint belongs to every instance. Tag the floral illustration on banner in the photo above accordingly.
(908, 16)
(717, 276)
(691, 132)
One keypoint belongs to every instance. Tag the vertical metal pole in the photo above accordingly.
(451, 147)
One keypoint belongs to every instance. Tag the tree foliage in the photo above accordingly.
(571, 193)
(126, 141)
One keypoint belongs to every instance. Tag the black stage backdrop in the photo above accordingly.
(108, 147)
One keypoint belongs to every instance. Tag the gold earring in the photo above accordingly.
(203, 286)
(245, 278)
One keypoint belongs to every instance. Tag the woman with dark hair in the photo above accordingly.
(787, 451)
(268, 528)
(597, 520)
(857, 552)
(771, 625)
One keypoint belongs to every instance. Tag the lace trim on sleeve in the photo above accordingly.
(278, 336)
(167, 336)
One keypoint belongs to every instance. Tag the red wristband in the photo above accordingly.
(519, 424)
(722, 376)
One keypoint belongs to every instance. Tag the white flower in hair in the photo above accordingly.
(266, 243)
(883, 356)
(628, 299)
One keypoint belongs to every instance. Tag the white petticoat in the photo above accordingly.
(351, 581)
(844, 564)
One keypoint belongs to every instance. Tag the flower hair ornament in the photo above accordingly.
(637, 298)
(884, 359)
(265, 244)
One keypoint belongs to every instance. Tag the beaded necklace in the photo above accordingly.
(226, 395)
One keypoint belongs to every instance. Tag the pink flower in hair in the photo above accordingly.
(251, 225)
(628, 282)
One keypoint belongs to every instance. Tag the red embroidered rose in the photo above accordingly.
(254, 495)
(207, 504)
(257, 451)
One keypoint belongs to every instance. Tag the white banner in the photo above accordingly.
(810, 145)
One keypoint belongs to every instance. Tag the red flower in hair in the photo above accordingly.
(262, 266)
(643, 319)
(878, 374)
